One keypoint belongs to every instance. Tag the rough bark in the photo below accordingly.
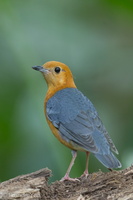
(98, 186)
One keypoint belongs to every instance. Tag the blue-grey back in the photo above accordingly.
(78, 122)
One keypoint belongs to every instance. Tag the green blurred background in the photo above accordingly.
(95, 39)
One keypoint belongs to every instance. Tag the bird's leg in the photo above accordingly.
(66, 177)
(86, 173)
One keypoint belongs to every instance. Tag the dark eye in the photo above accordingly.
(57, 70)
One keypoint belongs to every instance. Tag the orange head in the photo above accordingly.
(57, 75)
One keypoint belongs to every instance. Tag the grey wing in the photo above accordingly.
(79, 124)
(74, 124)
(79, 132)
(88, 132)
(78, 121)
(99, 125)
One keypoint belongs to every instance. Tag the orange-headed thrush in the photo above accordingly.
(73, 119)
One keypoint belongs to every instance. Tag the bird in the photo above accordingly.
(73, 119)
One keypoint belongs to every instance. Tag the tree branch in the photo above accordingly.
(112, 185)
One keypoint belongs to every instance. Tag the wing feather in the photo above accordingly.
(78, 122)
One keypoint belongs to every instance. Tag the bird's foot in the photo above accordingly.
(66, 177)
(85, 174)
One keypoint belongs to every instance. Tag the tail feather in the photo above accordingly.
(109, 160)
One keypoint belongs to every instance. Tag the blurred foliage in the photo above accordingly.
(94, 38)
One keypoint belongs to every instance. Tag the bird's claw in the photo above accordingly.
(85, 174)
(67, 178)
